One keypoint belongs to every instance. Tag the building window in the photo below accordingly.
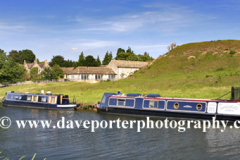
(72, 76)
(84, 77)
(131, 70)
(98, 77)
(122, 69)
(111, 77)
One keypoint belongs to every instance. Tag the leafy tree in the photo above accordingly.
(132, 57)
(81, 60)
(47, 73)
(98, 62)
(120, 50)
(27, 55)
(69, 63)
(90, 61)
(14, 55)
(11, 71)
(145, 57)
(110, 57)
(105, 60)
(34, 73)
(129, 50)
(57, 72)
(3, 58)
(122, 56)
(57, 60)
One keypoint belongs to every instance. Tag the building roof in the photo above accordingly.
(88, 70)
(30, 65)
(129, 64)
(41, 64)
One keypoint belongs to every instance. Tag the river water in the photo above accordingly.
(81, 143)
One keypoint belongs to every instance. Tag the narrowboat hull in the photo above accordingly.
(39, 101)
(165, 114)
(7, 103)
(169, 107)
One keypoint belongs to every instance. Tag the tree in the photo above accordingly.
(132, 57)
(120, 50)
(3, 58)
(122, 56)
(90, 61)
(11, 71)
(145, 57)
(27, 55)
(47, 73)
(34, 73)
(110, 57)
(57, 72)
(98, 62)
(57, 60)
(14, 55)
(105, 60)
(81, 60)
(129, 50)
(168, 47)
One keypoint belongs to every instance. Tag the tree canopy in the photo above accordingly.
(131, 56)
(20, 56)
(107, 58)
(59, 60)
(3, 58)
(57, 72)
(11, 71)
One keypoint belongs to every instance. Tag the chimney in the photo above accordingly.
(24, 62)
(35, 61)
(45, 61)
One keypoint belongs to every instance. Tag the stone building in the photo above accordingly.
(115, 70)
(88, 73)
(124, 68)
(40, 66)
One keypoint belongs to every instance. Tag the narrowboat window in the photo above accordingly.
(121, 102)
(35, 98)
(103, 99)
(16, 97)
(29, 98)
(52, 99)
(20, 97)
(43, 99)
(153, 104)
(176, 105)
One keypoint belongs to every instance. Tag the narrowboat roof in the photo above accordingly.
(133, 94)
(153, 95)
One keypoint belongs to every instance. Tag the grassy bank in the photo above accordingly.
(195, 70)
(91, 93)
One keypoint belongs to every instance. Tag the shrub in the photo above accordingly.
(34, 73)
(232, 52)
(208, 76)
(219, 69)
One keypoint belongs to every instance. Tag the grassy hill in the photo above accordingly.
(193, 70)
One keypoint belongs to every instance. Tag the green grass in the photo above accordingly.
(209, 75)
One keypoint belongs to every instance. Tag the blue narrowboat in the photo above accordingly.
(41, 101)
(155, 105)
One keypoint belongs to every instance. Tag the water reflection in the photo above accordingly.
(110, 143)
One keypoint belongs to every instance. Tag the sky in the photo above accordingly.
(68, 27)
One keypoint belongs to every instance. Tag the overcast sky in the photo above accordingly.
(68, 27)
